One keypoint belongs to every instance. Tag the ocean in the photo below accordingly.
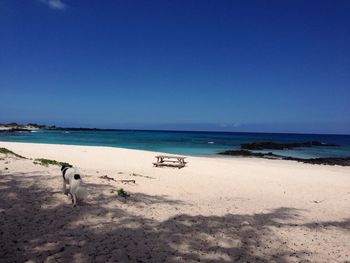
(184, 142)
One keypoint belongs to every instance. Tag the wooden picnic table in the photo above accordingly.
(172, 161)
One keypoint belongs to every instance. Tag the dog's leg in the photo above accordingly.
(70, 196)
(64, 188)
(74, 200)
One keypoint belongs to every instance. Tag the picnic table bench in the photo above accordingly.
(171, 161)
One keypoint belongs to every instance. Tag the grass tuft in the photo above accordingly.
(121, 192)
(7, 151)
(47, 162)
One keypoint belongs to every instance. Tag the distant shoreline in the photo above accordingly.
(31, 127)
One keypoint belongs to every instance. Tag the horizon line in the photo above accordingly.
(171, 130)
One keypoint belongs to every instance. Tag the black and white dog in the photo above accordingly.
(76, 190)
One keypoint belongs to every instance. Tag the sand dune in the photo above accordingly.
(213, 210)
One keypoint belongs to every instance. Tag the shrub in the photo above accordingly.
(7, 151)
(47, 162)
(121, 192)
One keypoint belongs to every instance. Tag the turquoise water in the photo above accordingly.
(187, 143)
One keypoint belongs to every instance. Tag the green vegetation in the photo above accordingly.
(41, 161)
(121, 192)
(7, 151)
(47, 162)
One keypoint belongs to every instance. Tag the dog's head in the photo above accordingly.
(65, 166)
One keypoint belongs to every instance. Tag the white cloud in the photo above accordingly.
(55, 4)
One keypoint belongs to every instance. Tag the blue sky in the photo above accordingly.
(270, 66)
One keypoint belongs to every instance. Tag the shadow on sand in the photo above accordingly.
(36, 225)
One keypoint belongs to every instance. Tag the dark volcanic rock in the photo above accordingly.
(281, 146)
(237, 153)
(19, 129)
(246, 153)
(13, 130)
(77, 129)
(327, 160)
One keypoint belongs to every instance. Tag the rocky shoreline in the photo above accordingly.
(14, 127)
(325, 160)
(282, 146)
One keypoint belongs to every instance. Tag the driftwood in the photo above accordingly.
(140, 175)
(106, 177)
(127, 181)
(318, 202)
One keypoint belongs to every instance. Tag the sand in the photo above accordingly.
(213, 210)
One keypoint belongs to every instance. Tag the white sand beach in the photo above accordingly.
(213, 210)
